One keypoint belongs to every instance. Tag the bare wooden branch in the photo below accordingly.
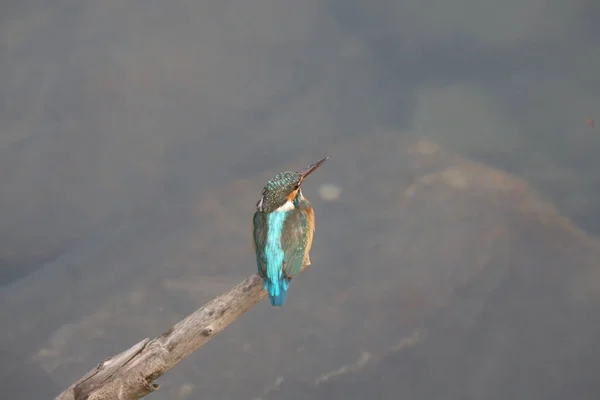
(131, 374)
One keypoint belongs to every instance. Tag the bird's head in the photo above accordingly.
(280, 191)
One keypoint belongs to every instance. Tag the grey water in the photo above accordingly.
(122, 122)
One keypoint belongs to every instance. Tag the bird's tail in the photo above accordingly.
(277, 290)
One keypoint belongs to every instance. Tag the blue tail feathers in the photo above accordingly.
(277, 290)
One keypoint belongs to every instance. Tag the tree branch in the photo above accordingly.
(131, 374)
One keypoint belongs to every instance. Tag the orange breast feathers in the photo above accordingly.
(311, 230)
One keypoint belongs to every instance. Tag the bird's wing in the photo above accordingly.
(296, 228)
(259, 236)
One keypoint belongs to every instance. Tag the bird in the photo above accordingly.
(283, 228)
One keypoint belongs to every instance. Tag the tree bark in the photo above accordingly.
(131, 374)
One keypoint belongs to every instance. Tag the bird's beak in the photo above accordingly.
(311, 168)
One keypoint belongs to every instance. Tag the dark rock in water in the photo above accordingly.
(23, 380)
(516, 318)
(444, 278)
(503, 352)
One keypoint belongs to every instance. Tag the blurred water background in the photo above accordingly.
(455, 254)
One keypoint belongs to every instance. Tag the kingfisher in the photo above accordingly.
(283, 227)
